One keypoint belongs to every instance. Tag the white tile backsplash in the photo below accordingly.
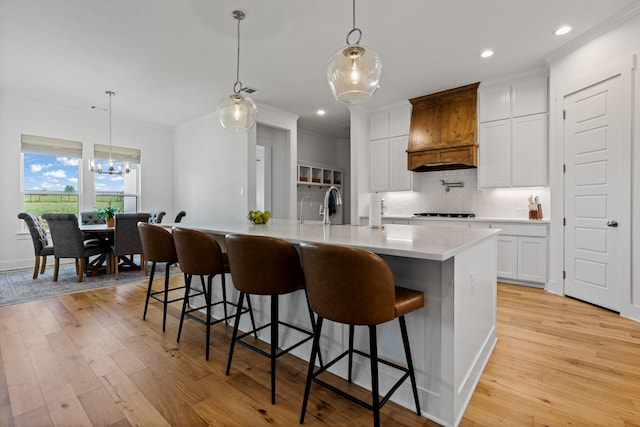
(432, 197)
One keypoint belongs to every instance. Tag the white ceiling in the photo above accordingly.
(170, 61)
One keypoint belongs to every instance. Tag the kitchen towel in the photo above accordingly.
(375, 211)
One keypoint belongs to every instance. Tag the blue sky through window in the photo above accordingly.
(53, 173)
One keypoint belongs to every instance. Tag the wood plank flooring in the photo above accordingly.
(89, 359)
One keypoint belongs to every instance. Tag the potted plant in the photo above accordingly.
(108, 213)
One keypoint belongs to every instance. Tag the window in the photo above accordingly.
(119, 191)
(50, 174)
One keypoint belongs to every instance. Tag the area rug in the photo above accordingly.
(19, 286)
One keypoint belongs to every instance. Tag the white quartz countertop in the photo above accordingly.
(431, 242)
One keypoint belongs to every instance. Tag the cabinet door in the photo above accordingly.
(529, 151)
(507, 257)
(494, 169)
(426, 122)
(399, 175)
(399, 121)
(379, 125)
(532, 259)
(494, 102)
(529, 96)
(379, 165)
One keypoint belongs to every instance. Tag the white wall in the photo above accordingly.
(215, 169)
(276, 140)
(619, 44)
(20, 116)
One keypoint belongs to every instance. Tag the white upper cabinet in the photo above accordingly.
(494, 102)
(513, 133)
(529, 96)
(389, 136)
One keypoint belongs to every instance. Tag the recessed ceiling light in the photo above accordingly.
(321, 112)
(562, 30)
(486, 54)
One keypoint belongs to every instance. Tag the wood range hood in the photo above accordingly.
(443, 132)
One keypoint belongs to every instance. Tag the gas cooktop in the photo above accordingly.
(446, 215)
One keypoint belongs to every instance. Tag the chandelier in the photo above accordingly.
(354, 70)
(113, 168)
(237, 113)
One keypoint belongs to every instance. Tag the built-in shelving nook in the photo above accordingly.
(318, 175)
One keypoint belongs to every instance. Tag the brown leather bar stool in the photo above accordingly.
(199, 254)
(265, 266)
(158, 246)
(359, 290)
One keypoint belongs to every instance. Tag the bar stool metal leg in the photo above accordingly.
(373, 348)
(146, 303)
(315, 349)
(351, 329)
(407, 351)
(236, 323)
(274, 345)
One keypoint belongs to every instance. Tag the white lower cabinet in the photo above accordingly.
(507, 257)
(522, 253)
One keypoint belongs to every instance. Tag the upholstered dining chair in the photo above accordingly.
(126, 240)
(91, 218)
(41, 246)
(68, 243)
(179, 216)
(155, 217)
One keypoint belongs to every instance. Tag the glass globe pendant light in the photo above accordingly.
(237, 112)
(354, 70)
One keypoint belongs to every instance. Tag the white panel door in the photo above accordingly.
(593, 156)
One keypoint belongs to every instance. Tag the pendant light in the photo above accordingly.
(113, 168)
(354, 70)
(237, 112)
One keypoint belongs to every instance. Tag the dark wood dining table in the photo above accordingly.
(100, 262)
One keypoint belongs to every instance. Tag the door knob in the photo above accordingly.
(612, 223)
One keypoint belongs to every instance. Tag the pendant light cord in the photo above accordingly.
(354, 29)
(110, 96)
(237, 87)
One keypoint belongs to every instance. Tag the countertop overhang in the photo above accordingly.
(431, 242)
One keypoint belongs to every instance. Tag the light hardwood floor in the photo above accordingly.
(89, 359)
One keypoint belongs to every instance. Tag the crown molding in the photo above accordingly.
(604, 27)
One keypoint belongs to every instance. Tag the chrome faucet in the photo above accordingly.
(301, 206)
(324, 209)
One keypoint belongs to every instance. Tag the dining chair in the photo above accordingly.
(126, 240)
(179, 216)
(155, 217)
(68, 243)
(41, 246)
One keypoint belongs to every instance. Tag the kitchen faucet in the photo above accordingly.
(301, 206)
(324, 209)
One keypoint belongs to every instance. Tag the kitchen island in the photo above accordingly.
(451, 338)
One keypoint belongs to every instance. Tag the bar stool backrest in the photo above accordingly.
(157, 243)
(198, 253)
(348, 285)
(263, 265)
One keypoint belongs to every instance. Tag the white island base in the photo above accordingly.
(451, 338)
